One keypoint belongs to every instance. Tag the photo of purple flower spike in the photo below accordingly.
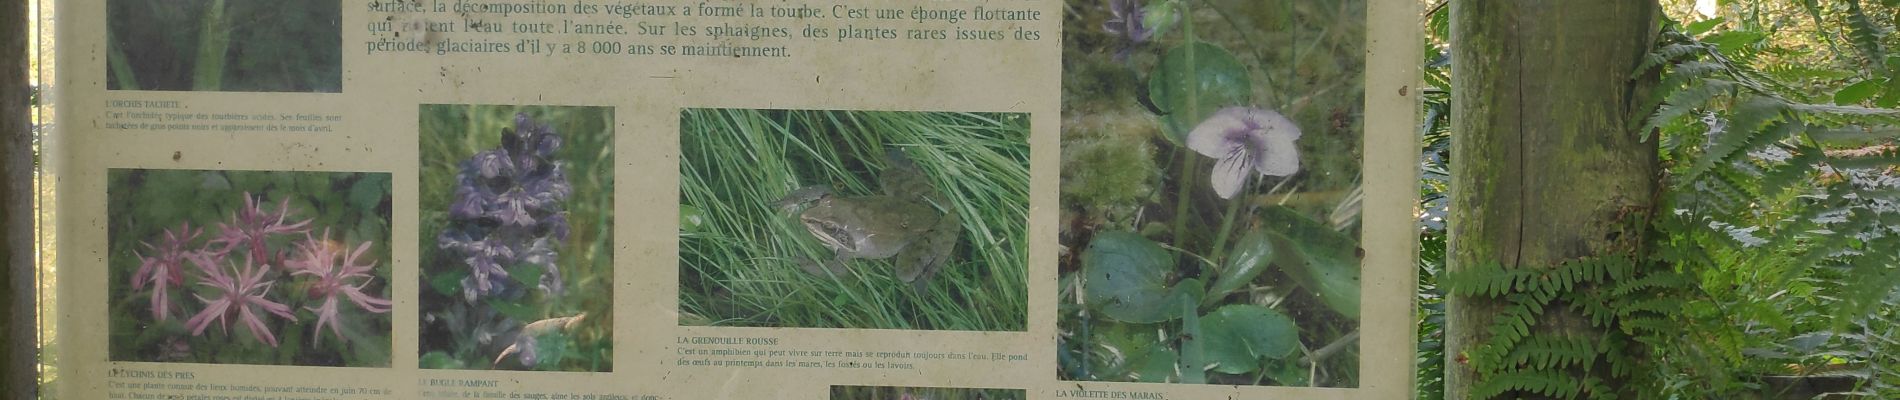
(516, 216)
(1136, 24)
(508, 210)
(1246, 141)
(340, 273)
(1128, 20)
(251, 227)
(242, 294)
(162, 269)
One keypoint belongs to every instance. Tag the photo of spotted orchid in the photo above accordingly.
(1210, 195)
(249, 267)
(516, 237)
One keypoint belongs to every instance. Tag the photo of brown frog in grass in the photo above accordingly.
(854, 219)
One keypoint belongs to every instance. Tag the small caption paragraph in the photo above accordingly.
(131, 383)
(766, 352)
(174, 115)
(718, 28)
(491, 389)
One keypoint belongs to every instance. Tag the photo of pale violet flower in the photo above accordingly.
(1211, 179)
(1246, 141)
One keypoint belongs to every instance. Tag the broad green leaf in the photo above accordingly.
(517, 311)
(691, 218)
(448, 283)
(1192, 82)
(1700, 27)
(1728, 42)
(1251, 256)
(549, 350)
(1238, 336)
(439, 360)
(1317, 257)
(1127, 278)
(1288, 373)
(1160, 17)
(1156, 365)
(1890, 96)
(1858, 92)
(527, 275)
(369, 192)
(1194, 357)
(1135, 340)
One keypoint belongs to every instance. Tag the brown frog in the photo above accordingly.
(903, 221)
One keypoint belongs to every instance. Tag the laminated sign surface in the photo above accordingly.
(732, 199)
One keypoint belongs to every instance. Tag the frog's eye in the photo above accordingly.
(833, 235)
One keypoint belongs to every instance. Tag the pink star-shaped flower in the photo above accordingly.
(242, 295)
(251, 226)
(339, 275)
(161, 270)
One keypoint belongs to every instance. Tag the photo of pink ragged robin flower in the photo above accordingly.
(163, 269)
(339, 275)
(251, 227)
(298, 259)
(241, 293)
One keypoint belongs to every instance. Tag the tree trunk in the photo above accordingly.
(1546, 167)
(17, 342)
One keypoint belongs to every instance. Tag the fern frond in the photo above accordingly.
(1647, 325)
(1594, 269)
(1514, 322)
(1548, 383)
(1667, 54)
(1599, 312)
(1865, 35)
(1721, 195)
(1855, 135)
(1745, 128)
(1487, 280)
(1680, 103)
(1654, 281)
(1661, 305)
(1550, 352)
(1879, 158)
(1846, 110)
(1778, 179)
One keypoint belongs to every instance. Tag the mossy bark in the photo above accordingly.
(17, 342)
(1546, 167)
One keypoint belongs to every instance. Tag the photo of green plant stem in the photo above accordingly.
(224, 45)
(923, 393)
(1211, 191)
(248, 267)
(516, 238)
(854, 219)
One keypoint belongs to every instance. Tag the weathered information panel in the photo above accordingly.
(651, 200)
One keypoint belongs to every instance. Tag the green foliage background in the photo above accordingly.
(270, 46)
(1772, 260)
(453, 133)
(739, 253)
(141, 204)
